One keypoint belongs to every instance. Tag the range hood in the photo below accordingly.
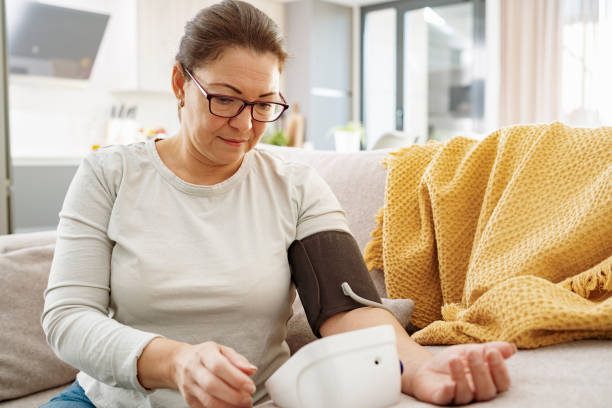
(46, 40)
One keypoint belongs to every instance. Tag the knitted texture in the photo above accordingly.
(508, 238)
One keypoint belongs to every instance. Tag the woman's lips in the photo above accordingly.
(232, 142)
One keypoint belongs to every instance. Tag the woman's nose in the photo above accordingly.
(243, 121)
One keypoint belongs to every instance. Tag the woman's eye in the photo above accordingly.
(264, 106)
(225, 101)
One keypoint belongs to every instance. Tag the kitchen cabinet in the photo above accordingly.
(143, 39)
(159, 28)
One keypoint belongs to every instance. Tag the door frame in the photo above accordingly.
(5, 159)
(401, 7)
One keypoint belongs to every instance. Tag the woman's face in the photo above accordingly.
(239, 72)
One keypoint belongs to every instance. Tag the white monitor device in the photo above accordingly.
(358, 369)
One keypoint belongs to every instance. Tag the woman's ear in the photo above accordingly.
(178, 82)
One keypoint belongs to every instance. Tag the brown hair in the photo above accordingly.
(231, 23)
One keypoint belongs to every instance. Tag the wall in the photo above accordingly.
(319, 74)
(50, 120)
(37, 209)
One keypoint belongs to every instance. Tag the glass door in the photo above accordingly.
(431, 84)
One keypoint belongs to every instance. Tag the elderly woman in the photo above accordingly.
(173, 274)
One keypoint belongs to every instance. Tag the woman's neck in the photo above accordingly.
(190, 166)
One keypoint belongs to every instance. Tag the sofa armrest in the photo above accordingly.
(13, 242)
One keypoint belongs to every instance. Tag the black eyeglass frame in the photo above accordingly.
(209, 96)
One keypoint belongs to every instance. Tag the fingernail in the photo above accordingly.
(250, 388)
(515, 348)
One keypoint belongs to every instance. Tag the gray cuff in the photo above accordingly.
(320, 264)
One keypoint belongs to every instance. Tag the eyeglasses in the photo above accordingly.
(226, 106)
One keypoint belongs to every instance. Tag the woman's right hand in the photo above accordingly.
(210, 375)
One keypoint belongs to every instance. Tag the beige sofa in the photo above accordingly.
(569, 375)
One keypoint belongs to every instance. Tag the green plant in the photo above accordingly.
(350, 127)
(275, 137)
(353, 127)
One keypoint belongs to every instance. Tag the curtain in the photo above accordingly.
(530, 58)
(555, 62)
(587, 62)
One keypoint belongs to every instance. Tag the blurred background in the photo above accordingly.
(362, 74)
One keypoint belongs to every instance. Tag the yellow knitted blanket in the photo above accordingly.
(508, 238)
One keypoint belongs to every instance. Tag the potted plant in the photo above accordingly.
(348, 138)
(275, 137)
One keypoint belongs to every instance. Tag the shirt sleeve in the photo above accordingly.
(76, 317)
(318, 207)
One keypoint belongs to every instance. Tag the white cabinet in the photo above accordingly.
(140, 43)
(142, 40)
(160, 26)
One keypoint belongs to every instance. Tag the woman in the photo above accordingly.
(172, 265)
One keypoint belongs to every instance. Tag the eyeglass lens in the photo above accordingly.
(229, 107)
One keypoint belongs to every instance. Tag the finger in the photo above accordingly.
(217, 403)
(238, 360)
(195, 396)
(506, 349)
(221, 367)
(463, 392)
(499, 372)
(215, 387)
(484, 388)
(199, 399)
(444, 395)
(192, 399)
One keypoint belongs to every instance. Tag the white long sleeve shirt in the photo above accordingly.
(141, 253)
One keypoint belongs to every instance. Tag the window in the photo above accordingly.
(418, 69)
(586, 62)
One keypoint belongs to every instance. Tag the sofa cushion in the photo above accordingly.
(34, 400)
(27, 364)
(357, 179)
(572, 375)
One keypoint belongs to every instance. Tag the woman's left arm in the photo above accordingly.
(324, 255)
(457, 375)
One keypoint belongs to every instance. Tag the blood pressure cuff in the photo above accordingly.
(320, 263)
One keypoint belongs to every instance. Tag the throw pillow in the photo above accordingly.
(27, 364)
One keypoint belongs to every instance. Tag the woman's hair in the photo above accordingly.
(231, 23)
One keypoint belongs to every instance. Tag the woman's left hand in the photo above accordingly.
(463, 373)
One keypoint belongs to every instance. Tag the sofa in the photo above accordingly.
(577, 374)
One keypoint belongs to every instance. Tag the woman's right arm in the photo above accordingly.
(76, 317)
